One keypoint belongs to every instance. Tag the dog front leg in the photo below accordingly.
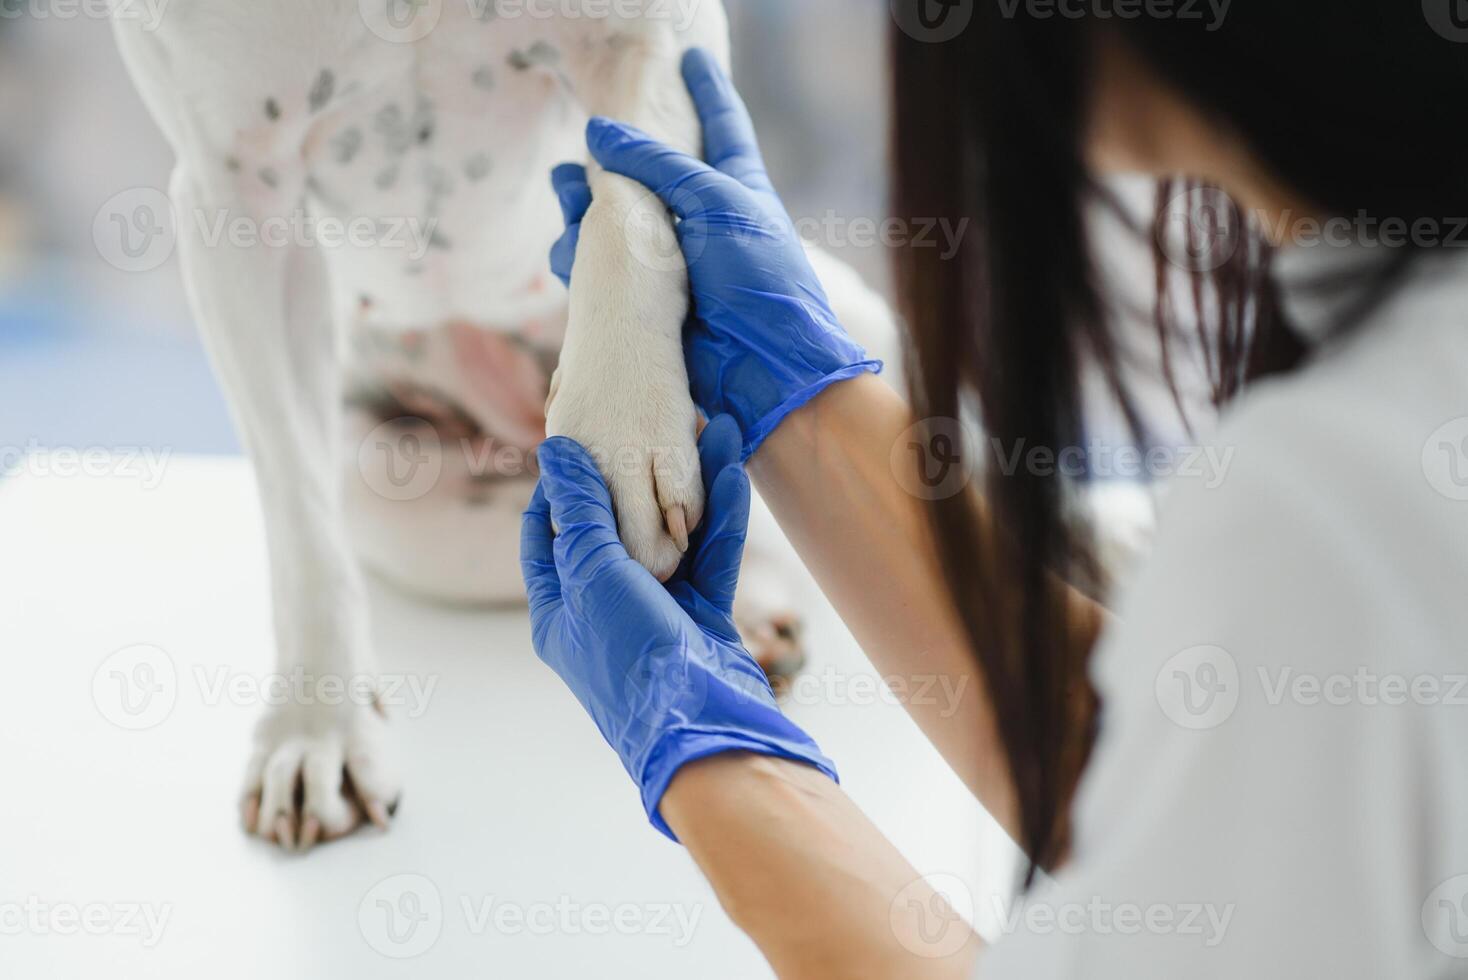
(320, 764)
(622, 386)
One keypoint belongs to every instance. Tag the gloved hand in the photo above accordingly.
(763, 340)
(659, 668)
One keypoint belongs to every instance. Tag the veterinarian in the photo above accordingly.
(1255, 767)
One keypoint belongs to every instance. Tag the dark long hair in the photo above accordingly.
(1353, 105)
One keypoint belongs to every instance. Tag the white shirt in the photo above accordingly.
(1281, 784)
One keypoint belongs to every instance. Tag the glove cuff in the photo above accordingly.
(756, 433)
(679, 747)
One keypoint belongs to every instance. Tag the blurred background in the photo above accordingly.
(92, 356)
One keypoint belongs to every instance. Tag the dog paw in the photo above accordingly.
(774, 590)
(776, 640)
(319, 772)
(642, 433)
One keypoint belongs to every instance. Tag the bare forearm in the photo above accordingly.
(827, 475)
(804, 873)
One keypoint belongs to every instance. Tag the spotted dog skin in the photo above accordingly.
(429, 334)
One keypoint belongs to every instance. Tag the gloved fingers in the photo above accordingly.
(573, 190)
(728, 133)
(580, 507)
(687, 186)
(715, 570)
(718, 446)
(574, 193)
(537, 553)
(563, 253)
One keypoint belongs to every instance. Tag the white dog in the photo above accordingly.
(435, 122)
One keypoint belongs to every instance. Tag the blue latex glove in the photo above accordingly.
(660, 669)
(763, 340)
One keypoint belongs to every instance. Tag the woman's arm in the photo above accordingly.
(763, 340)
(750, 793)
(827, 895)
(827, 475)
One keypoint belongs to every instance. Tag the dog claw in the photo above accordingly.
(677, 519)
(310, 833)
(285, 833)
(252, 814)
(377, 813)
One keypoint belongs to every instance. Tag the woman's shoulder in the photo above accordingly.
(1403, 359)
(1373, 428)
(1335, 517)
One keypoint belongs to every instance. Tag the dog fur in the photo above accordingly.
(446, 340)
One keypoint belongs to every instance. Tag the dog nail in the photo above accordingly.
(285, 833)
(677, 519)
(377, 813)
